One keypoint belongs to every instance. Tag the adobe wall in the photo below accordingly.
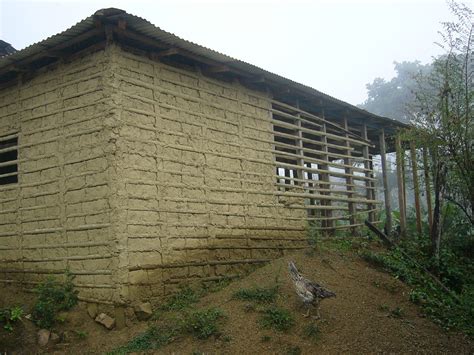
(197, 176)
(59, 214)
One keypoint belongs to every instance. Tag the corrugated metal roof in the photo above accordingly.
(146, 28)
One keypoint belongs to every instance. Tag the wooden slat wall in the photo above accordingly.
(324, 163)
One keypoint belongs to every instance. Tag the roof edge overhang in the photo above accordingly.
(108, 25)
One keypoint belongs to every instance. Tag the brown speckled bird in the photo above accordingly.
(310, 292)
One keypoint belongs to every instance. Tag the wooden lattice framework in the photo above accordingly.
(326, 164)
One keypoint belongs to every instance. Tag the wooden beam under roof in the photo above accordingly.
(80, 38)
(165, 53)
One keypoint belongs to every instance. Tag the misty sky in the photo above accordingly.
(333, 46)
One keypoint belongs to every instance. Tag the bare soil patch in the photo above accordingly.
(371, 314)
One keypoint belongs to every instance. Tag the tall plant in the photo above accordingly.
(444, 119)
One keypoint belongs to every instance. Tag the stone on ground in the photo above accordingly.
(143, 311)
(105, 320)
(43, 337)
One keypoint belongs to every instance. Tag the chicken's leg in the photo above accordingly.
(306, 315)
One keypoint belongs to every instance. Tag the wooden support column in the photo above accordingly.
(368, 165)
(401, 183)
(349, 179)
(386, 188)
(427, 187)
(299, 146)
(327, 213)
(414, 167)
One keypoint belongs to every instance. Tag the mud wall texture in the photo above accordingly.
(196, 178)
(59, 214)
(138, 177)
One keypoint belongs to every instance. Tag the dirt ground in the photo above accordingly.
(358, 321)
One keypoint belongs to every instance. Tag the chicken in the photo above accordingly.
(310, 292)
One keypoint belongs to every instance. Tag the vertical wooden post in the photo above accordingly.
(427, 187)
(328, 222)
(311, 212)
(401, 183)
(404, 176)
(414, 167)
(349, 179)
(370, 193)
(386, 189)
(299, 145)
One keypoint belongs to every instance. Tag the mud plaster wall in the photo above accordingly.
(196, 178)
(60, 214)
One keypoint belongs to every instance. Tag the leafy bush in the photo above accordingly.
(203, 324)
(277, 318)
(8, 316)
(258, 294)
(454, 270)
(53, 297)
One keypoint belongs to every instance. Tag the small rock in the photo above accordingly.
(43, 337)
(92, 310)
(143, 311)
(54, 338)
(105, 320)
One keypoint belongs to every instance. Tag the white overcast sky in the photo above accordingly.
(333, 46)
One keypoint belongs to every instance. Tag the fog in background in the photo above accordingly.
(333, 46)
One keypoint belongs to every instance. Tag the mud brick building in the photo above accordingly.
(140, 161)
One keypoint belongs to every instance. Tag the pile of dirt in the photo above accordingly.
(371, 314)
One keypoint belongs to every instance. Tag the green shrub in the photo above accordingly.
(277, 318)
(258, 294)
(8, 316)
(454, 270)
(53, 297)
(203, 324)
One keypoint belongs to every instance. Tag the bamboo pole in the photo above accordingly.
(401, 183)
(299, 144)
(328, 223)
(414, 168)
(386, 190)
(368, 166)
(349, 180)
(309, 115)
(427, 187)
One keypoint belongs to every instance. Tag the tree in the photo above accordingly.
(443, 119)
(395, 98)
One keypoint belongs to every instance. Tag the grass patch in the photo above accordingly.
(181, 300)
(311, 331)
(203, 324)
(293, 350)
(277, 318)
(154, 338)
(258, 294)
(215, 286)
(397, 312)
(81, 334)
